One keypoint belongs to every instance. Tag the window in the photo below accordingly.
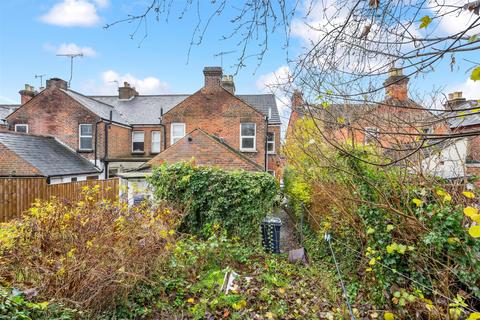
(85, 137)
(271, 172)
(155, 142)
(21, 128)
(74, 179)
(270, 142)
(371, 134)
(426, 130)
(138, 141)
(247, 136)
(92, 178)
(177, 132)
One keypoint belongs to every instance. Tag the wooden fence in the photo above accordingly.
(18, 194)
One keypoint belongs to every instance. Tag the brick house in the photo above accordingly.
(386, 125)
(120, 133)
(25, 155)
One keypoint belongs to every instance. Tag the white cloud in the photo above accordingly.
(74, 13)
(278, 83)
(102, 3)
(70, 48)
(110, 80)
(452, 23)
(470, 89)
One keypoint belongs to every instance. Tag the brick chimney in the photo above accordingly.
(396, 86)
(57, 83)
(26, 94)
(213, 78)
(455, 99)
(228, 84)
(297, 99)
(126, 92)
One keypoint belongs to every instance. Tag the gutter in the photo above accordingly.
(266, 144)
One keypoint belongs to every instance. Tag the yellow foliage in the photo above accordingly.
(388, 316)
(474, 231)
(470, 211)
(468, 194)
(417, 202)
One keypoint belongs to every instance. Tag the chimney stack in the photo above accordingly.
(455, 99)
(27, 94)
(213, 78)
(396, 86)
(126, 92)
(57, 83)
(228, 84)
(297, 99)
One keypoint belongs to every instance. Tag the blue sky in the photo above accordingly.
(32, 32)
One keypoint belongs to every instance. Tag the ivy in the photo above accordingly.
(236, 200)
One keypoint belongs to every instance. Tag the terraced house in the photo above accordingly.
(214, 125)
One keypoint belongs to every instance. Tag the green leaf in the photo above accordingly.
(426, 20)
(473, 38)
(475, 74)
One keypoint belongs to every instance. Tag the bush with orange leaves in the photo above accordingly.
(87, 254)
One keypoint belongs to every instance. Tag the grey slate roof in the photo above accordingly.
(263, 102)
(100, 108)
(146, 109)
(464, 118)
(47, 154)
(6, 109)
(143, 109)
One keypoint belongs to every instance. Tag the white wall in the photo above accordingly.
(66, 179)
(449, 162)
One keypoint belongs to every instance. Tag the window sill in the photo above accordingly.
(154, 153)
(85, 150)
(271, 153)
(138, 152)
(248, 150)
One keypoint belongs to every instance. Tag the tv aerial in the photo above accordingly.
(41, 78)
(71, 56)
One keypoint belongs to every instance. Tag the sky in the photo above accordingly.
(33, 32)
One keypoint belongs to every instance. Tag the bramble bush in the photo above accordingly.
(237, 200)
(87, 254)
(403, 244)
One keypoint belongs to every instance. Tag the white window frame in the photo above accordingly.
(133, 135)
(371, 134)
(254, 137)
(21, 124)
(172, 137)
(272, 172)
(271, 142)
(80, 136)
(159, 141)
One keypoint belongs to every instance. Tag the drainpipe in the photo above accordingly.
(266, 143)
(164, 130)
(96, 139)
(107, 127)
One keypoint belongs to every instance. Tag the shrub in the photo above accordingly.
(237, 200)
(88, 253)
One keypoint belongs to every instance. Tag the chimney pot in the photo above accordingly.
(126, 92)
(396, 86)
(228, 84)
(455, 99)
(213, 78)
(27, 94)
(57, 83)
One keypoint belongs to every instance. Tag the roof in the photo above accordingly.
(48, 155)
(185, 150)
(466, 118)
(143, 109)
(6, 109)
(99, 108)
(146, 109)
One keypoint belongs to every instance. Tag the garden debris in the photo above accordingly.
(298, 255)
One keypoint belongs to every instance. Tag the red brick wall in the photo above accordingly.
(275, 162)
(53, 112)
(11, 164)
(219, 113)
(205, 151)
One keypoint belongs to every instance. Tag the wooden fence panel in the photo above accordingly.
(18, 194)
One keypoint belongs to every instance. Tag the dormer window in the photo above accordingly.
(23, 128)
(248, 139)
(85, 137)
